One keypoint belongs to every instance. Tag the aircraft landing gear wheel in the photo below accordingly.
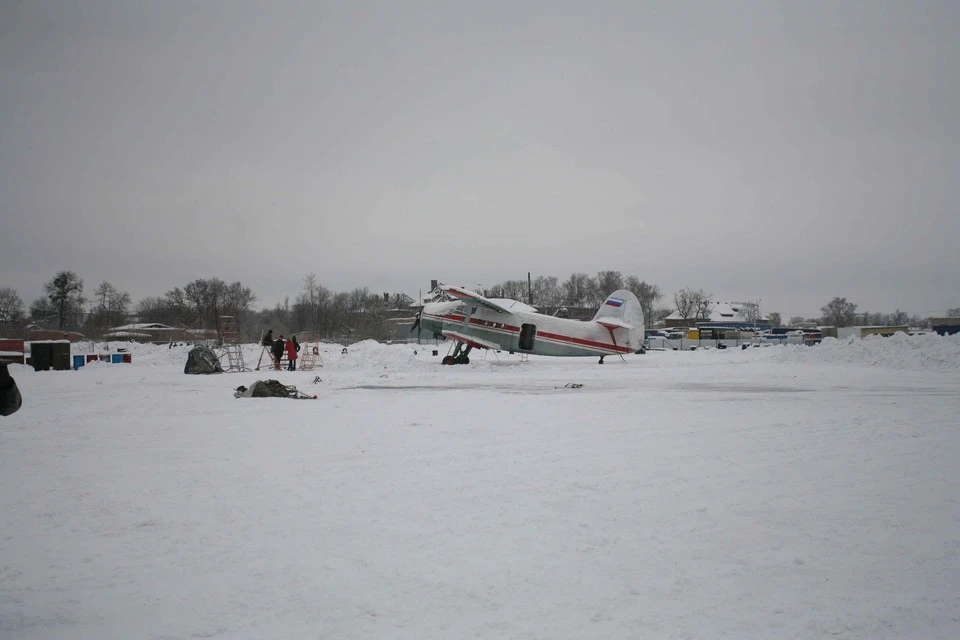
(448, 360)
(601, 360)
(463, 359)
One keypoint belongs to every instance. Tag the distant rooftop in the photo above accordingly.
(722, 312)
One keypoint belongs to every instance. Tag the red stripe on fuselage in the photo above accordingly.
(584, 342)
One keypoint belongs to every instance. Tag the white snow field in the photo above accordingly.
(781, 492)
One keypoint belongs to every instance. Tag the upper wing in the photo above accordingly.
(513, 306)
(470, 296)
(614, 323)
(473, 341)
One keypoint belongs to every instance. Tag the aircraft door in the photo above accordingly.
(528, 332)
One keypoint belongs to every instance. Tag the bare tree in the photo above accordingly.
(796, 320)
(546, 292)
(685, 305)
(659, 315)
(693, 305)
(156, 309)
(65, 293)
(340, 308)
(43, 312)
(237, 300)
(872, 319)
(775, 319)
(647, 294)
(201, 303)
(178, 305)
(11, 307)
(750, 311)
(204, 301)
(110, 306)
(312, 305)
(579, 290)
(197, 295)
(953, 313)
(703, 306)
(102, 295)
(898, 318)
(217, 299)
(839, 313)
(370, 318)
(608, 282)
(512, 289)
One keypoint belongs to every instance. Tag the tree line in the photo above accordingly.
(315, 308)
(580, 290)
(360, 313)
(199, 304)
(841, 313)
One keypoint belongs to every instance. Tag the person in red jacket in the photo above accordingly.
(292, 354)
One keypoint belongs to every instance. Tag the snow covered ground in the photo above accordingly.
(781, 492)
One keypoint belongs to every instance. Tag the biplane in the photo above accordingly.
(473, 321)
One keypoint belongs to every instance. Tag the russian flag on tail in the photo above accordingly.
(614, 302)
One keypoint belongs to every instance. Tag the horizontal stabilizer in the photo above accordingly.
(473, 341)
(614, 323)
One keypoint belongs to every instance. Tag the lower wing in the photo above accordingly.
(473, 341)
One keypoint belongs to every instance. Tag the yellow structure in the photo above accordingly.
(882, 331)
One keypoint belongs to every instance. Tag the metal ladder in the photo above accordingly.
(310, 357)
(230, 343)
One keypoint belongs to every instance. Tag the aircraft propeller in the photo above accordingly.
(416, 323)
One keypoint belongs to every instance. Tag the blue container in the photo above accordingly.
(78, 361)
(116, 357)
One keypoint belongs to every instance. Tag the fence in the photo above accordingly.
(692, 344)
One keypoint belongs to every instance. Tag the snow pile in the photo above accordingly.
(370, 354)
(899, 351)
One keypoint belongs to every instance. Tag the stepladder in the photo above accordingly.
(272, 362)
(228, 329)
(234, 354)
(310, 357)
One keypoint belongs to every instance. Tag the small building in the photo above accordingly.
(36, 332)
(945, 326)
(13, 350)
(721, 314)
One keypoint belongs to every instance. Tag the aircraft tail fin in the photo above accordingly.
(623, 308)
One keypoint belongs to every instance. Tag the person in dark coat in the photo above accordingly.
(296, 344)
(10, 399)
(278, 347)
(268, 339)
(291, 355)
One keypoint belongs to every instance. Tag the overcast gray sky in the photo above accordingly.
(787, 151)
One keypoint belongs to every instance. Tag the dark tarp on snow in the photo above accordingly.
(202, 360)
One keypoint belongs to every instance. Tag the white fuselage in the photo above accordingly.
(530, 332)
